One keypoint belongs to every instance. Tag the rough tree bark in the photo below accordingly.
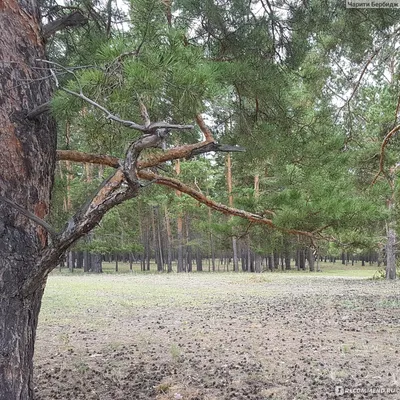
(25, 179)
(391, 254)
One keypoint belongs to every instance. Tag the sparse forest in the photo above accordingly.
(182, 136)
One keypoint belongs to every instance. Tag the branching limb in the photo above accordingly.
(181, 152)
(255, 218)
(383, 147)
(130, 124)
(110, 194)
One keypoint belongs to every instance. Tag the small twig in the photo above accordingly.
(53, 74)
(39, 110)
(109, 115)
(31, 216)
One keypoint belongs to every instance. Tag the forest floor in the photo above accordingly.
(218, 337)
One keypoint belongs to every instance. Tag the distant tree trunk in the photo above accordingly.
(79, 259)
(343, 258)
(297, 260)
(211, 238)
(155, 223)
(180, 266)
(188, 246)
(96, 265)
(86, 261)
(70, 261)
(276, 259)
(169, 239)
(391, 254)
(302, 259)
(271, 264)
(287, 260)
(311, 259)
(230, 200)
(116, 261)
(248, 255)
(212, 252)
(199, 261)
(130, 261)
(244, 260)
(257, 263)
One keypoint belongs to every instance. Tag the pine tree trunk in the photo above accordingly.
(18, 323)
(391, 254)
(180, 266)
(130, 258)
(287, 260)
(26, 172)
(199, 261)
(97, 263)
(302, 260)
(257, 262)
(79, 259)
(169, 239)
(311, 259)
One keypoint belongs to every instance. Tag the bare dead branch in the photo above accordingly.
(31, 216)
(74, 19)
(130, 124)
(382, 156)
(39, 110)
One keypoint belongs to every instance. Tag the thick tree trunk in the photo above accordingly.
(18, 322)
(26, 171)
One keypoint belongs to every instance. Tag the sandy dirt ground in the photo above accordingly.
(218, 337)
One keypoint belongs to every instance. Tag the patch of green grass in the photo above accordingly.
(389, 303)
